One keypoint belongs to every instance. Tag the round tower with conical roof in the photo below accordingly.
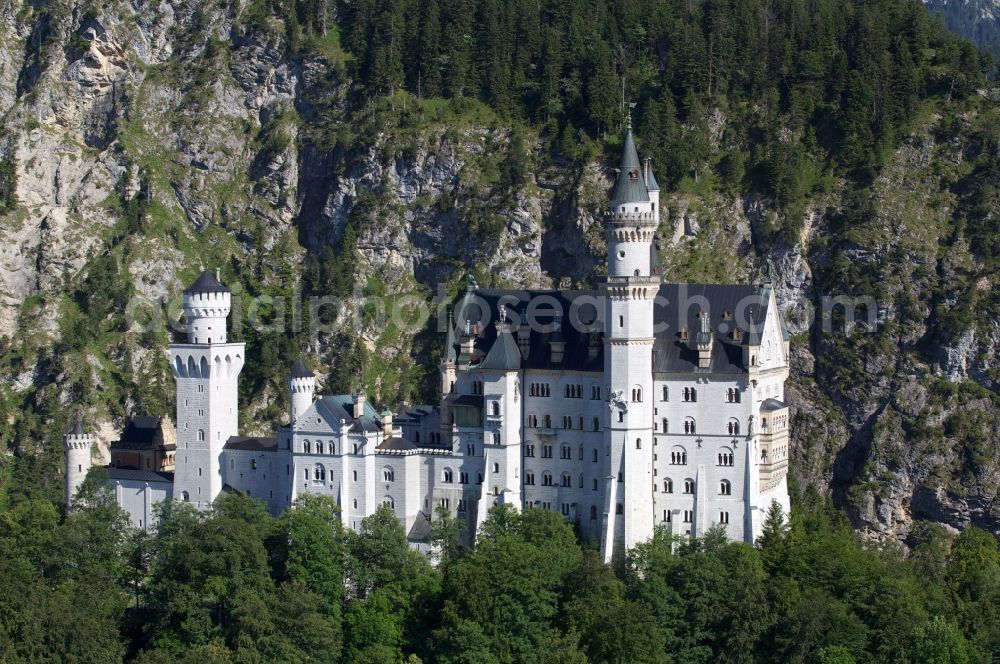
(77, 443)
(301, 387)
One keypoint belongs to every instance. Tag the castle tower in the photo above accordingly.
(301, 387)
(206, 369)
(77, 444)
(628, 359)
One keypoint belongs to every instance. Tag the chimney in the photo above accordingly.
(645, 171)
(387, 424)
(359, 403)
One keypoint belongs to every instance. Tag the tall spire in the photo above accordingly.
(630, 187)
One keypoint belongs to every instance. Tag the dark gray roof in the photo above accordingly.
(677, 307)
(729, 306)
(475, 400)
(651, 183)
(504, 355)
(629, 187)
(206, 283)
(395, 444)
(301, 370)
(772, 404)
(576, 340)
(77, 428)
(134, 475)
(141, 432)
(253, 443)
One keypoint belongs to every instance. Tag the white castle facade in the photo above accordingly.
(635, 405)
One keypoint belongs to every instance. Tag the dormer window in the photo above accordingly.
(684, 334)
(633, 174)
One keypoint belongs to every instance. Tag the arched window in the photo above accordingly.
(201, 434)
(688, 486)
(637, 394)
(638, 443)
(389, 502)
(665, 425)
(548, 421)
(567, 480)
(593, 512)
(678, 456)
(621, 416)
(733, 427)
(546, 478)
(448, 476)
(185, 496)
(725, 456)
(725, 488)
(597, 424)
(388, 474)
(668, 486)
(689, 426)
(666, 393)
(619, 509)
(319, 472)
(496, 467)
(496, 408)
(307, 447)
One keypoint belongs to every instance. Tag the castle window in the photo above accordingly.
(389, 502)
(593, 512)
(567, 422)
(688, 486)
(253, 464)
(566, 452)
(496, 467)
(666, 516)
(461, 504)
(463, 478)
(733, 427)
(688, 514)
(529, 478)
(725, 457)
(723, 517)
(496, 408)
(307, 447)
(567, 480)
(529, 450)
(306, 473)
(597, 424)
(355, 503)
(479, 478)
(319, 473)
(546, 478)
(185, 496)
(595, 391)
(548, 421)
(579, 453)
(621, 416)
(725, 488)
(621, 321)
(496, 439)
(595, 484)
(546, 451)
(678, 456)
(580, 481)
(619, 509)
(637, 394)
(447, 476)
(532, 421)
(668, 486)
(201, 434)
(594, 455)
(665, 425)
(638, 443)
(689, 426)
(355, 476)
(388, 474)
(666, 393)
(690, 394)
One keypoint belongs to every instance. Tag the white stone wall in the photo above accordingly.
(139, 499)
(207, 415)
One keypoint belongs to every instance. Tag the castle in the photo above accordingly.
(638, 404)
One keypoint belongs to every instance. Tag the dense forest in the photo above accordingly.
(237, 585)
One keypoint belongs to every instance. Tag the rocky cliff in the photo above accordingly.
(143, 140)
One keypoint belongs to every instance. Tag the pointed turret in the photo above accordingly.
(629, 187)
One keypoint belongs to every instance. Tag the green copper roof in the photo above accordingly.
(630, 188)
